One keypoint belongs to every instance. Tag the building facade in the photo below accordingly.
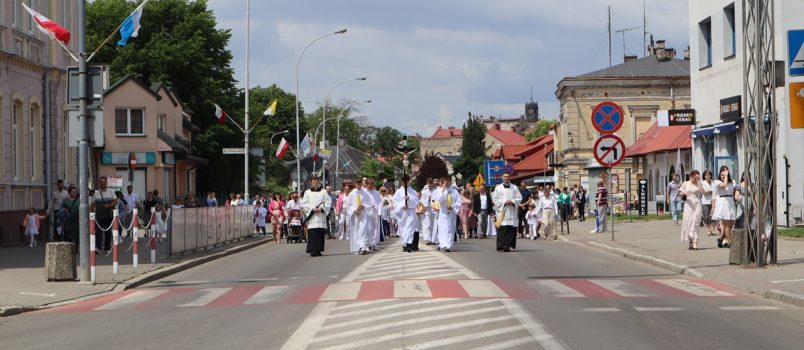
(33, 120)
(641, 87)
(716, 62)
(152, 124)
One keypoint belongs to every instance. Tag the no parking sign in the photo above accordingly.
(607, 117)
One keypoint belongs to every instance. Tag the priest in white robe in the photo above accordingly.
(506, 197)
(374, 232)
(449, 205)
(405, 202)
(358, 205)
(317, 202)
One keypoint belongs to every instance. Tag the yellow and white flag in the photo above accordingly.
(271, 110)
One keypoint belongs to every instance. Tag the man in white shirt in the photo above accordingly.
(404, 204)
(449, 205)
(58, 196)
(358, 205)
(316, 202)
(132, 199)
(505, 197)
(482, 207)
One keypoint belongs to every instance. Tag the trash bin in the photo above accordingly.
(736, 246)
(60, 261)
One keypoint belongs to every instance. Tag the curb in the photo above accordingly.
(790, 298)
(139, 280)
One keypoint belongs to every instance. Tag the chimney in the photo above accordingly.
(687, 54)
(629, 58)
(496, 126)
(660, 44)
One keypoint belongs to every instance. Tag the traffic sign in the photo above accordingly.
(479, 181)
(607, 117)
(492, 171)
(609, 150)
(508, 168)
(795, 52)
(234, 151)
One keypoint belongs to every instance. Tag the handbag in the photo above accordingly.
(420, 208)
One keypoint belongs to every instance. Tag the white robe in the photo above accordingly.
(447, 215)
(358, 240)
(502, 195)
(406, 216)
(374, 232)
(428, 218)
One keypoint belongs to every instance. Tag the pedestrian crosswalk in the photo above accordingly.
(378, 290)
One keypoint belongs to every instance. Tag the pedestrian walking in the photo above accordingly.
(506, 199)
(724, 209)
(482, 207)
(466, 212)
(31, 223)
(534, 216)
(601, 206)
(691, 191)
(706, 203)
(277, 216)
(449, 206)
(673, 199)
(565, 205)
(54, 207)
(69, 206)
(522, 209)
(357, 206)
(341, 213)
(260, 214)
(547, 206)
(103, 204)
(317, 203)
(428, 217)
(404, 202)
(582, 200)
(374, 231)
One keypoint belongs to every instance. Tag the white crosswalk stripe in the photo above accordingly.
(555, 288)
(694, 288)
(205, 296)
(622, 288)
(133, 299)
(267, 295)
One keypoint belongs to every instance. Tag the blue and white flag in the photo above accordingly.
(131, 26)
(304, 147)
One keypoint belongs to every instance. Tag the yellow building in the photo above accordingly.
(641, 87)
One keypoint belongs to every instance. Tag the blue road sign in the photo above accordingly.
(795, 52)
(607, 117)
(492, 172)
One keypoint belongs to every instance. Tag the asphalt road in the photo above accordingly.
(551, 295)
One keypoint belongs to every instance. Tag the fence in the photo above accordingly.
(198, 228)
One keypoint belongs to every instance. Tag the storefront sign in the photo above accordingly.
(114, 183)
(168, 158)
(682, 116)
(731, 108)
(123, 157)
(643, 197)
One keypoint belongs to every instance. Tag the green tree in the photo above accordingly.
(473, 148)
(540, 129)
(377, 170)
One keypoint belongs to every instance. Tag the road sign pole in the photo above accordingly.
(611, 206)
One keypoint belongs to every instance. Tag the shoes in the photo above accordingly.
(593, 231)
(506, 249)
(447, 250)
(719, 243)
(726, 245)
(512, 249)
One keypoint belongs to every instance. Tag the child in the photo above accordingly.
(294, 221)
(31, 223)
(491, 229)
(533, 216)
(738, 202)
(260, 214)
(385, 215)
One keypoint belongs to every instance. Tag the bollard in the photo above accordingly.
(152, 241)
(115, 243)
(92, 249)
(134, 231)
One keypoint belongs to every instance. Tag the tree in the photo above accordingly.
(432, 167)
(377, 170)
(473, 148)
(540, 129)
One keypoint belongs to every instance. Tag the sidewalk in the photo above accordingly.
(22, 274)
(659, 243)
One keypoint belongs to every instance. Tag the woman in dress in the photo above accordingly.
(277, 216)
(725, 210)
(693, 190)
(466, 212)
(706, 202)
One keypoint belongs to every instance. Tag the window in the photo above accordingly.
(16, 138)
(129, 121)
(30, 18)
(705, 43)
(160, 122)
(65, 14)
(729, 32)
(15, 13)
(34, 140)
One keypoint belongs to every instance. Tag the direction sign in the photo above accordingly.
(492, 171)
(795, 52)
(607, 117)
(609, 150)
(234, 151)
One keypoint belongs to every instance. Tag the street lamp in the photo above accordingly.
(326, 102)
(272, 138)
(298, 141)
(338, 143)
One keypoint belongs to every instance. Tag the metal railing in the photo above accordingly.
(191, 229)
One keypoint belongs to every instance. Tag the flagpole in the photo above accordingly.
(83, 149)
(113, 32)
(246, 129)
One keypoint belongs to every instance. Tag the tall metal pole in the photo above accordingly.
(298, 130)
(326, 102)
(83, 147)
(246, 128)
(609, 36)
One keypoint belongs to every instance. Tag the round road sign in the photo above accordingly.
(609, 150)
(607, 117)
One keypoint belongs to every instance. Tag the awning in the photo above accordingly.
(722, 128)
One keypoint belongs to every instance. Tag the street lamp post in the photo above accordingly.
(298, 160)
(338, 144)
(326, 102)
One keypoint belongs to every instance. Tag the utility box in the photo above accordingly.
(60, 261)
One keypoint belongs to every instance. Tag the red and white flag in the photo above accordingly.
(52, 29)
(220, 114)
(283, 147)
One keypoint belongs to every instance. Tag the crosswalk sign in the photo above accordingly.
(795, 52)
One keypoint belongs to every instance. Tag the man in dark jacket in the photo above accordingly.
(482, 207)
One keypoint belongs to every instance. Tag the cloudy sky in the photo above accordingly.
(430, 62)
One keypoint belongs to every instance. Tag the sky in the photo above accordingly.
(430, 62)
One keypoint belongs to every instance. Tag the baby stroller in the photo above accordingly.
(295, 228)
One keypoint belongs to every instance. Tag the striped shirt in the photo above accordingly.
(602, 196)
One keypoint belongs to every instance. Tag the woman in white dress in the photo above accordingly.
(693, 191)
(725, 211)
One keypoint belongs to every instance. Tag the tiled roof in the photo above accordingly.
(507, 137)
(537, 161)
(649, 66)
(448, 132)
(658, 139)
(515, 153)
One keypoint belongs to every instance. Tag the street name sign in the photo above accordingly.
(609, 150)
(234, 151)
